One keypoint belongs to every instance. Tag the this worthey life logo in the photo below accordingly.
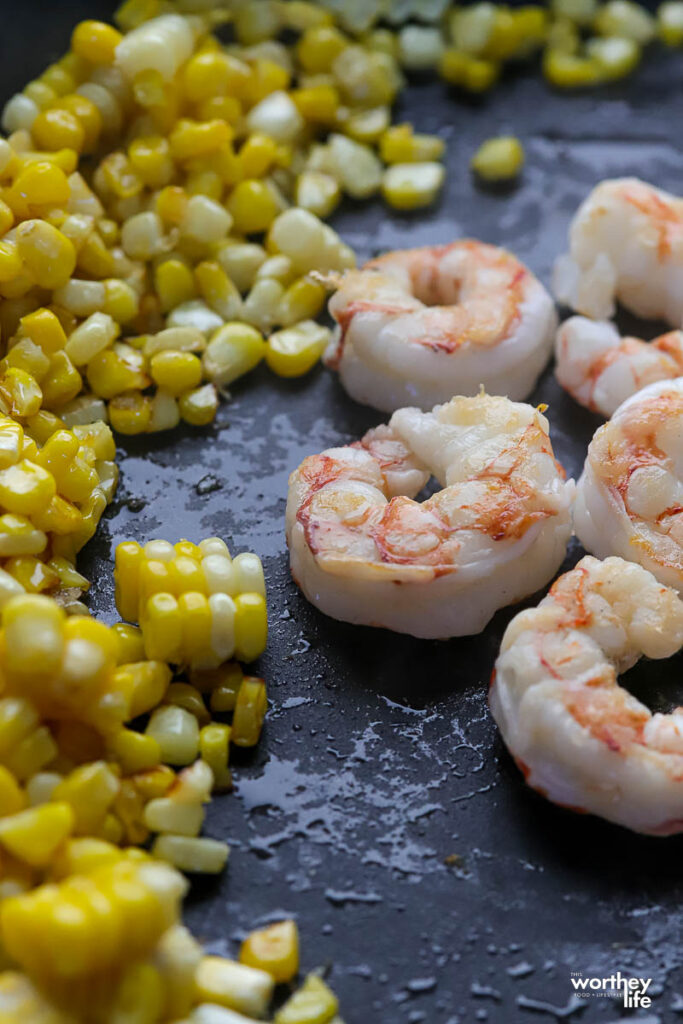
(633, 990)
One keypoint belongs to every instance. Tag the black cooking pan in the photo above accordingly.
(381, 808)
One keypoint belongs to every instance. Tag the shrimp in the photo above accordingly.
(625, 243)
(600, 369)
(629, 499)
(362, 550)
(418, 326)
(579, 738)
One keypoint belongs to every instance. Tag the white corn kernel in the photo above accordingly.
(195, 313)
(91, 337)
(234, 985)
(162, 45)
(249, 574)
(205, 220)
(206, 856)
(277, 116)
(177, 733)
(19, 113)
(222, 626)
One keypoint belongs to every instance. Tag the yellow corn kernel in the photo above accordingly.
(155, 578)
(214, 748)
(498, 159)
(318, 103)
(569, 71)
(32, 754)
(34, 835)
(57, 128)
(295, 350)
(670, 22)
(155, 782)
(253, 206)
(58, 78)
(174, 283)
(411, 186)
(233, 350)
(313, 1002)
(90, 791)
(67, 574)
(274, 949)
(20, 393)
(112, 372)
(223, 681)
(207, 74)
(257, 155)
(12, 797)
(472, 73)
(11, 442)
(162, 628)
(318, 47)
(217, 289)
(234, 986)
(130, 413)
(6, 217)
(191, 139)
(41, 93)
(199, 407)
(302, 301)
(250, 709)
(196, 621)
(400, 145)
(95, 42)
(33, 575)
(171, 204)
(47, 254)
(10, 262)
(25, 488)
(44, 329)
(143, 683)
(19, 536)
(61, 383)
(131, 642)
(225, 108)
(83, 856)
(40, 184)
(87, 114)
(26, 356)
(185, 696)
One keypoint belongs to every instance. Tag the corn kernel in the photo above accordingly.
(250, 709)
(34, 835)
(498, 159)
(57, 128)
(252, 206)
(47, 254)
(130, 413)
(95, 41)
(199, 406)
(236, 986)
(206, 856)
(295, 350)
(313, 1002)
(274, 949)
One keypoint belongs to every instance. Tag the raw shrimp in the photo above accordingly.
(362, 550)
(629, 499)
(600, 369)
(579, 738)
(421, 325)
(625, 243)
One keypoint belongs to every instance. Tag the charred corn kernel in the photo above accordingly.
(185, 696)
(214, 749)
(318, 47)
(625, 19)
(143, 683)
(217, 289)
(274, 949)
(252, 206)
(92, 336)
(57, 128)
(204, 856)
(295, 350)
(34, 835)
(568, 71)
(44, 329)
(400, 145)
(235, 349)
(12, 797)
(670, 22)
(48, 256)
(313, 1003)
(174, 283)
(130, 413)
(192, 139)
(250, 709)
(414, 185)
(90, 791)
(61, 383)
(95, 41)
(177, 733)
(472, 73)
(236, 986)
(498, 159)
(205, 220)
(26, 488)
(199, 406)
(617, 57)
(317, 192)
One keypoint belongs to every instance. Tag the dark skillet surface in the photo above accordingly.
(380, 758)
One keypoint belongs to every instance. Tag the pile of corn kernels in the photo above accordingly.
(162, 206)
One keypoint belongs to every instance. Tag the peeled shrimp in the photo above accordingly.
(600, 369)
(362, 550)
(421, 325)
(579, 738)
(629, 499)
(625, 243)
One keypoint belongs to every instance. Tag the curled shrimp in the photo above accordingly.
(629, 499)
(579, 738)
(362, 550)
(416, 327)
(600, 369)
(625, 244)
